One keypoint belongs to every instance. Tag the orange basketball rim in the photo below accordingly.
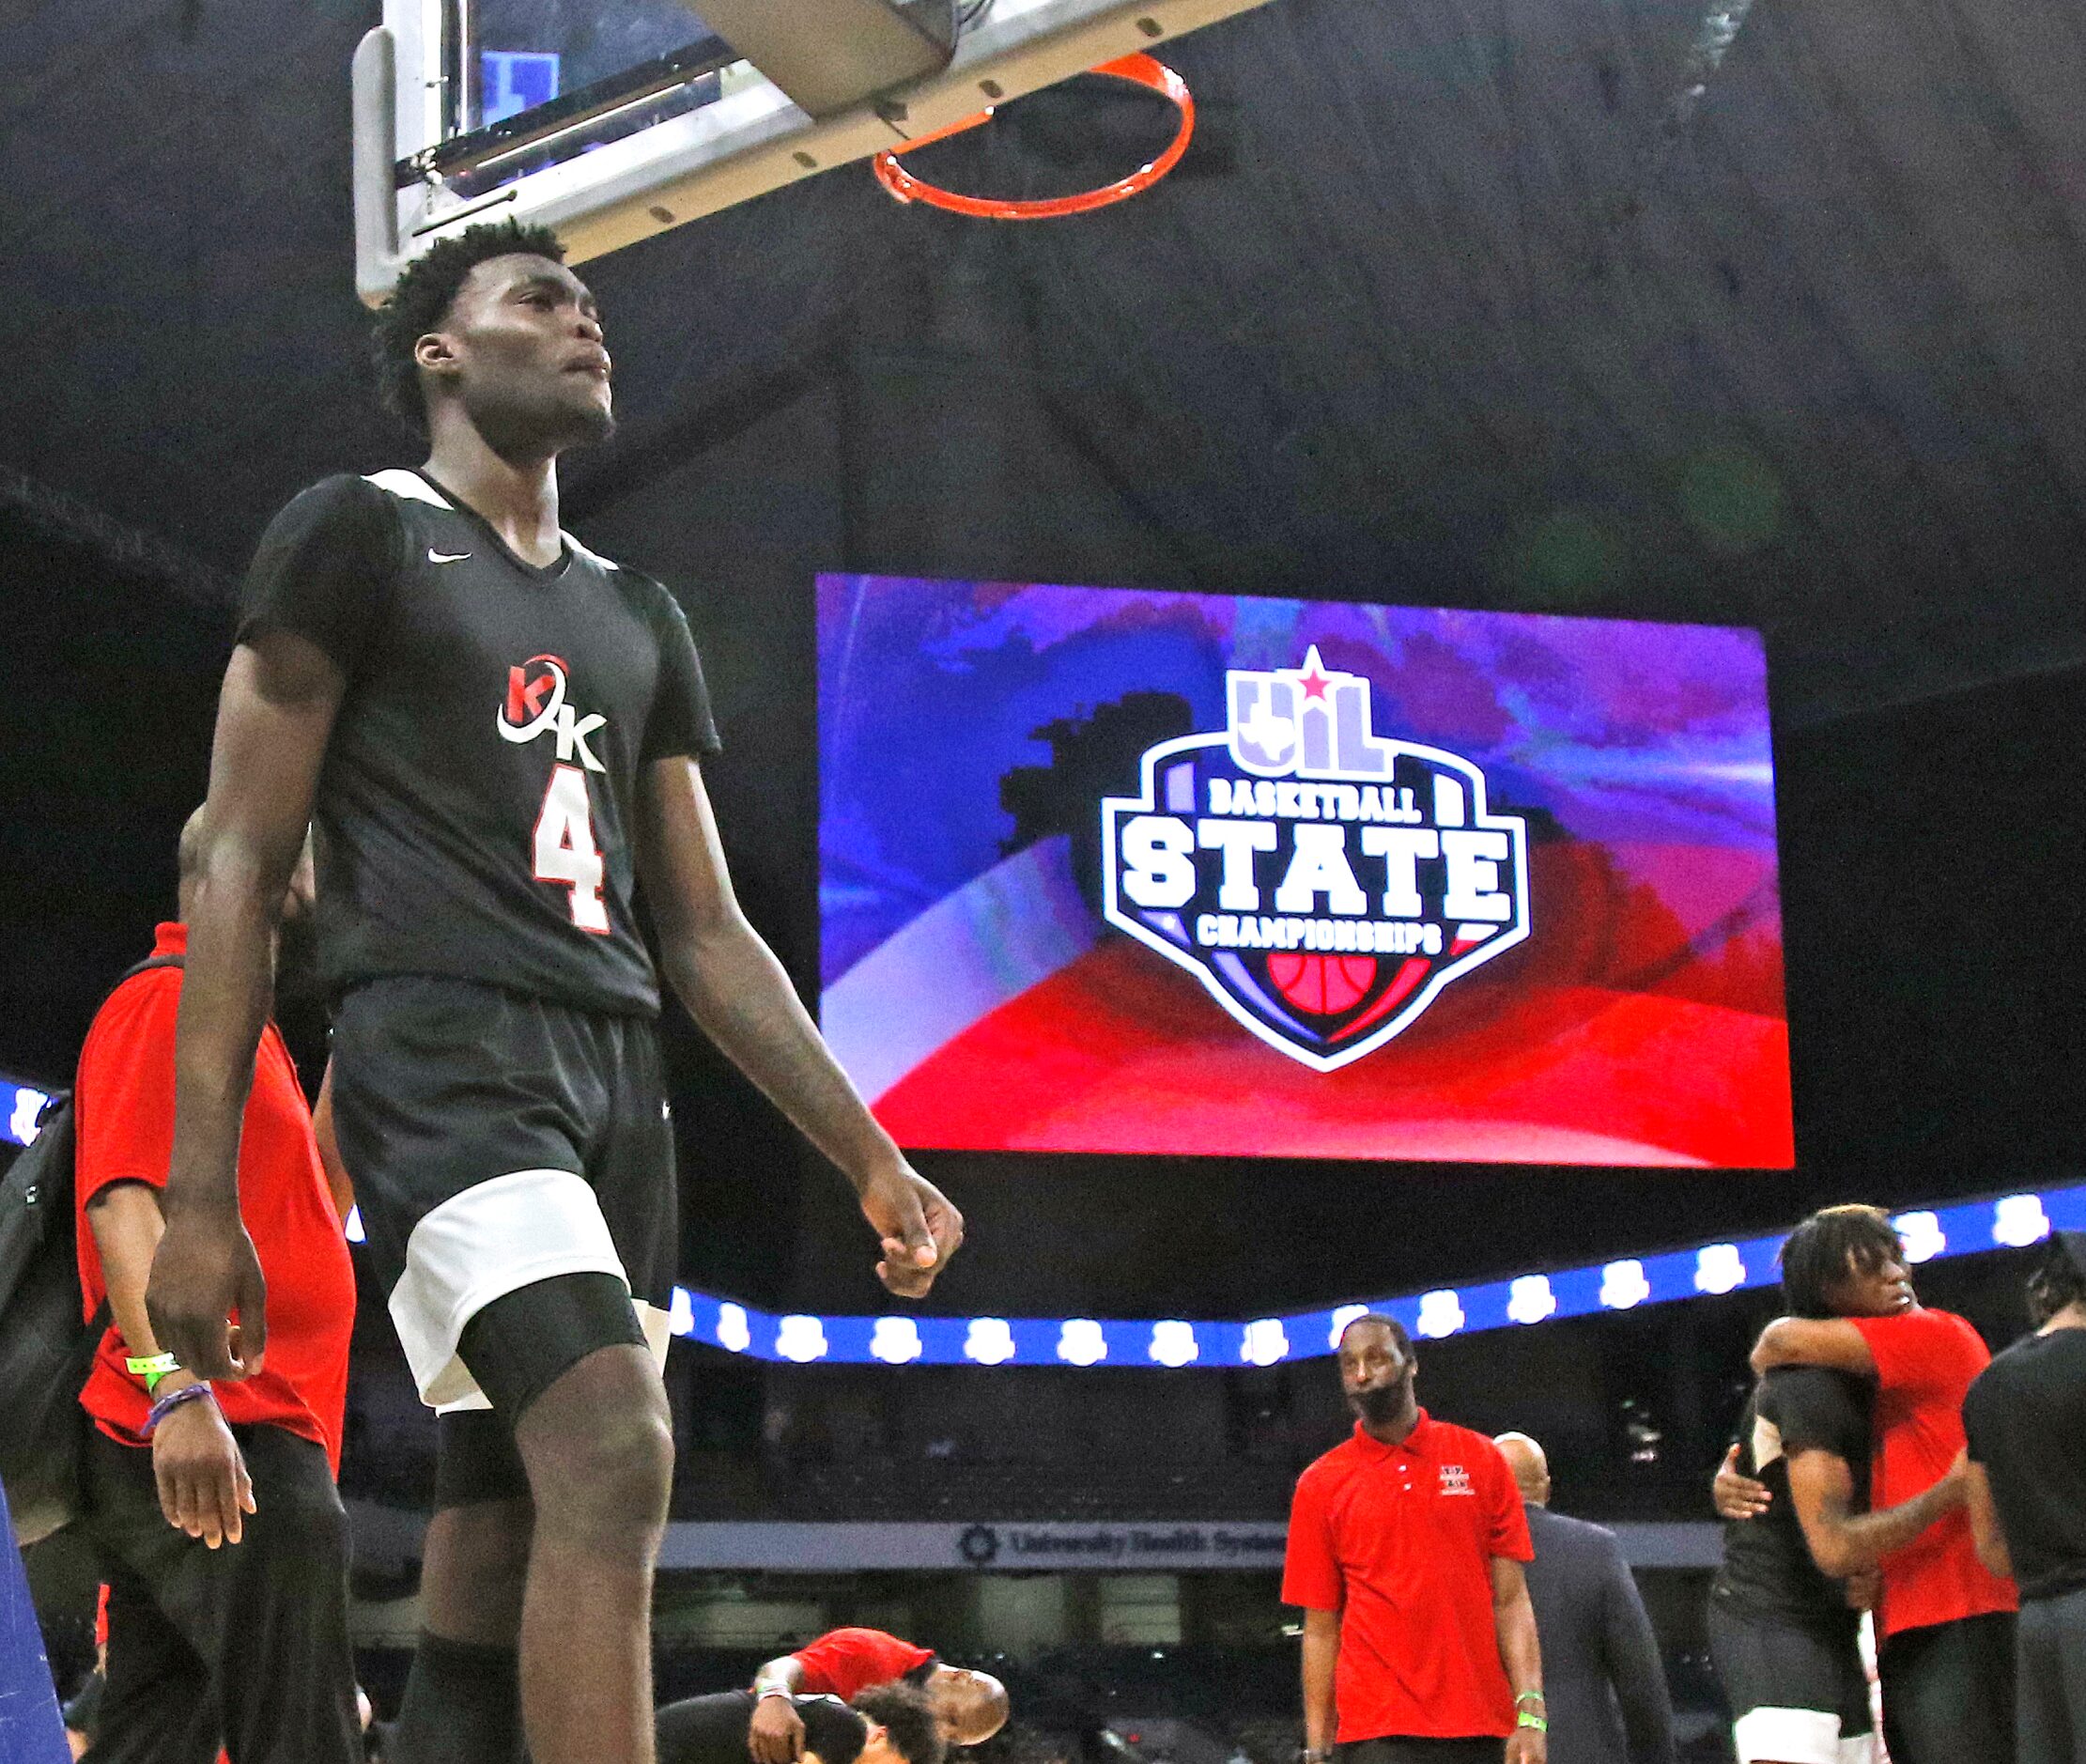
(1138, 69)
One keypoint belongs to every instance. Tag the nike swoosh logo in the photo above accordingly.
(445, 557)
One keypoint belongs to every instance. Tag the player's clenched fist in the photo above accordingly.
(203, 1271)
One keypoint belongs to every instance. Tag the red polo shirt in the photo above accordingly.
(1925, 1362)
(843, 1662)
(1398, 1540)
(123, 1113)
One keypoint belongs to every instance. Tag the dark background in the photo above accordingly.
(1544, 305)
(1486, 306)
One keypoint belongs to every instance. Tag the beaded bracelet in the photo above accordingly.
(173, 1401)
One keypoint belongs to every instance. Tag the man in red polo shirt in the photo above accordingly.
(214, 1508)
(1946, 1620)
(970, 1707)
(1406, 1545)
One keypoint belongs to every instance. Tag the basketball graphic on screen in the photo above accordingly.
(1323, 984)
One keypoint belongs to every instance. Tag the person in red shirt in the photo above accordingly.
(1945, 1620)
(1405, 1550)
(971, 1706)
(214, 1508)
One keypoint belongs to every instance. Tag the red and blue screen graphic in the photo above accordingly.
(1127, 870)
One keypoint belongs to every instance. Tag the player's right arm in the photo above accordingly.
(274, 717)
(776, 1734)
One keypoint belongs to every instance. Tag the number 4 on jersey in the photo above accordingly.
(566, 851)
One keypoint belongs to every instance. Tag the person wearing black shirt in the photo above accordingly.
(2026, 1417)
(496, 736)
(887, 1724)
(1782, 1632)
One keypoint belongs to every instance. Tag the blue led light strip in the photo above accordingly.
(1958, 1230)
(20, 1106)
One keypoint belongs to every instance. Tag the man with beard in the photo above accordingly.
(497, 737)
(213, 1505)
(1405, 1550)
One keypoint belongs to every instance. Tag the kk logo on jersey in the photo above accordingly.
(1324, 884)
(536, 704)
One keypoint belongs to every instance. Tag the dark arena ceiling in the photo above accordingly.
(1763, 314)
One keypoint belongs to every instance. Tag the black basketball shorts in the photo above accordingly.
(1796, 1694)
(496, 1141)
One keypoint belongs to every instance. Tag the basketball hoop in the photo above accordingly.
(1138, 69)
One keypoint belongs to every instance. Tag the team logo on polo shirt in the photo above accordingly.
(1455, 1479)
(1323, 883)
(535, 705)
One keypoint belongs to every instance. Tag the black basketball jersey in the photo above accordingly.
(475, 810)
(1767, 1567)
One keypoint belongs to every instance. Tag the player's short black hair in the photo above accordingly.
(422, 300)
(2060, 1280)
(905, 1711)
(1383, 1320)
(1820, 1252)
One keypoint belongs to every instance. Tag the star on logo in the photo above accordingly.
(1314, 679)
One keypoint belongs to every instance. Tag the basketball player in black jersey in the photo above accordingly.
(495, 735)
(1783, 1629)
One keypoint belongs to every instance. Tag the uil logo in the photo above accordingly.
(1323, 883)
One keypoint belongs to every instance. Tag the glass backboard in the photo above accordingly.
(523, 53)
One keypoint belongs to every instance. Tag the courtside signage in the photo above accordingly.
(1323, 883)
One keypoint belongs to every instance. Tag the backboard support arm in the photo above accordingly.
(828, 55)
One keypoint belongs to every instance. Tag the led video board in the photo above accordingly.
(1125, 871)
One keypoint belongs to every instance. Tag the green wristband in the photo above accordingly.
(1527, 1719)
(151, 1368)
